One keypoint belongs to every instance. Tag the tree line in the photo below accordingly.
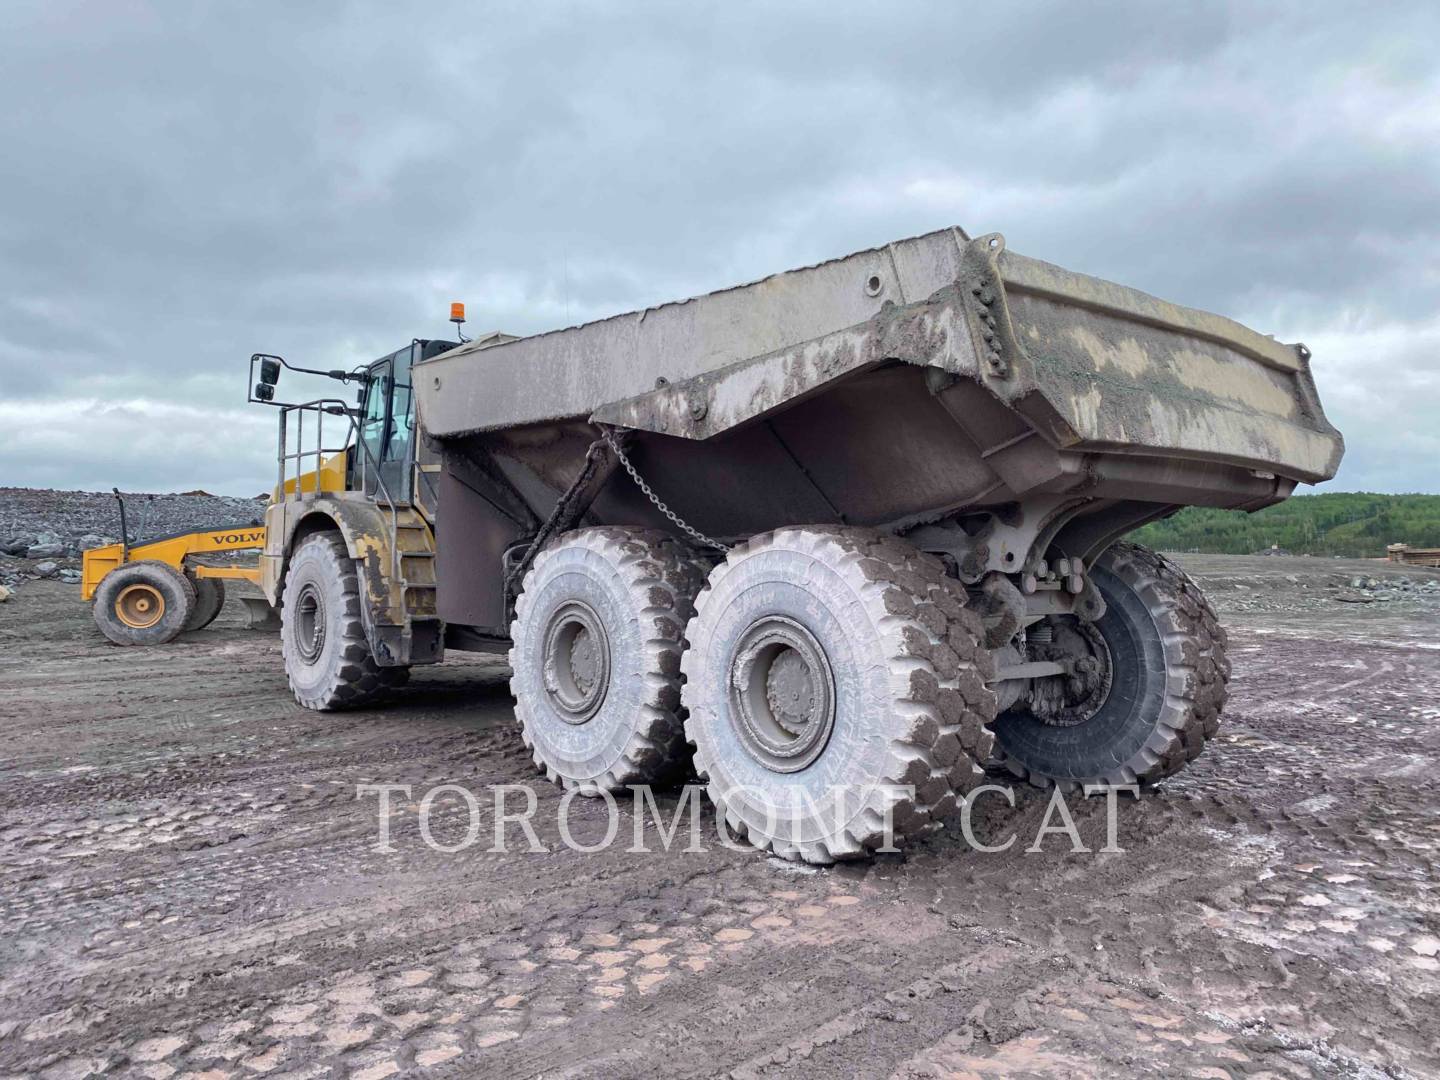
(1354, 524)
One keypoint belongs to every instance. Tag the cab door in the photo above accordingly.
(395, 456)
(374, 421)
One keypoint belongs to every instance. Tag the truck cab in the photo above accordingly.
(381, 463)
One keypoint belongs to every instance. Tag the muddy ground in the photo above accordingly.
(189, 886)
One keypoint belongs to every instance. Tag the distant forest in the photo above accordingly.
(1356, 524)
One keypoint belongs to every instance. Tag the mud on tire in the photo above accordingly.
(1169, 683)
(327, 656)
(598, 631)
(906, 706)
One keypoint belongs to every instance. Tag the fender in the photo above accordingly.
(367, 532)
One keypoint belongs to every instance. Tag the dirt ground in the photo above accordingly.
(190, 886)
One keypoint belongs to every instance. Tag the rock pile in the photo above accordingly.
(1362, 590)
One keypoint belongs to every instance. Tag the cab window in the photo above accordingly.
(372, 423)
(402, 412)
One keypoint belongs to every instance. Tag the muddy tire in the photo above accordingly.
(1168, 683)
(327, 657)
(598, 631)
(834, 676)
(209, 599)
(143, 603)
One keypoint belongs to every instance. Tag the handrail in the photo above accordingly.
(334, 407)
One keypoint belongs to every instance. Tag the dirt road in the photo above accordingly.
(190, 886)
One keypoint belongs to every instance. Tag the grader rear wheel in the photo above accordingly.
(209, 599)
(143, 603)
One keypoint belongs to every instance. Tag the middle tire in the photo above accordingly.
(834, 677)
(209, 600)
(598, 630)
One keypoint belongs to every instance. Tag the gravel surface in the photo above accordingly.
(190, 886)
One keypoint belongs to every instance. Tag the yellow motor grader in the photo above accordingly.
(147, 592)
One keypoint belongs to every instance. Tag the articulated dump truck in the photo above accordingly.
(839, 540)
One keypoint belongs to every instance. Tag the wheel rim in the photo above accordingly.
(782, 694)
(576, 662)
(140, 606)
(310, 623)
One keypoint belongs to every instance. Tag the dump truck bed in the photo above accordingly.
(939, 381)
(1094, 365)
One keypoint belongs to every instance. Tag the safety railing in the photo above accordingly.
(367, 467)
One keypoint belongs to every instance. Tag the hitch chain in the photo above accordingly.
(649, 492)
(558, 520)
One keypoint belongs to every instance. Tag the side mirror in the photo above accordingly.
(269, 376)
(264, 392)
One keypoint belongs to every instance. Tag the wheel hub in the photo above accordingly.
(310, 623)
(576, 662)
(1067, 700)
(782, 694)
(140, 606)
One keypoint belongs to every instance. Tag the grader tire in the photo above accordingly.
(327, 656)
(143, 603)
(209, 599)
(833, 677)
(598, 632)
(1168, 684)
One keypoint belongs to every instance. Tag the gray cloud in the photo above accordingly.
(187, 184)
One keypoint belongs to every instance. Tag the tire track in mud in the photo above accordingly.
(1274, 909)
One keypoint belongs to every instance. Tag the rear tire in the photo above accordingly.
(598, 631)
(143, 603)
(209, 599)
(327, 656)
(1169, 676)
(834, 676)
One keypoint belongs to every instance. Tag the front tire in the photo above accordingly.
(143, 603)
(1168, 682)
(327, 656)
(834, 678)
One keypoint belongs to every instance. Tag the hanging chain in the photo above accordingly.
(559, 518)
(649, 493)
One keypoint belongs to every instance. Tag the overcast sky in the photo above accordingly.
(187, 183)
